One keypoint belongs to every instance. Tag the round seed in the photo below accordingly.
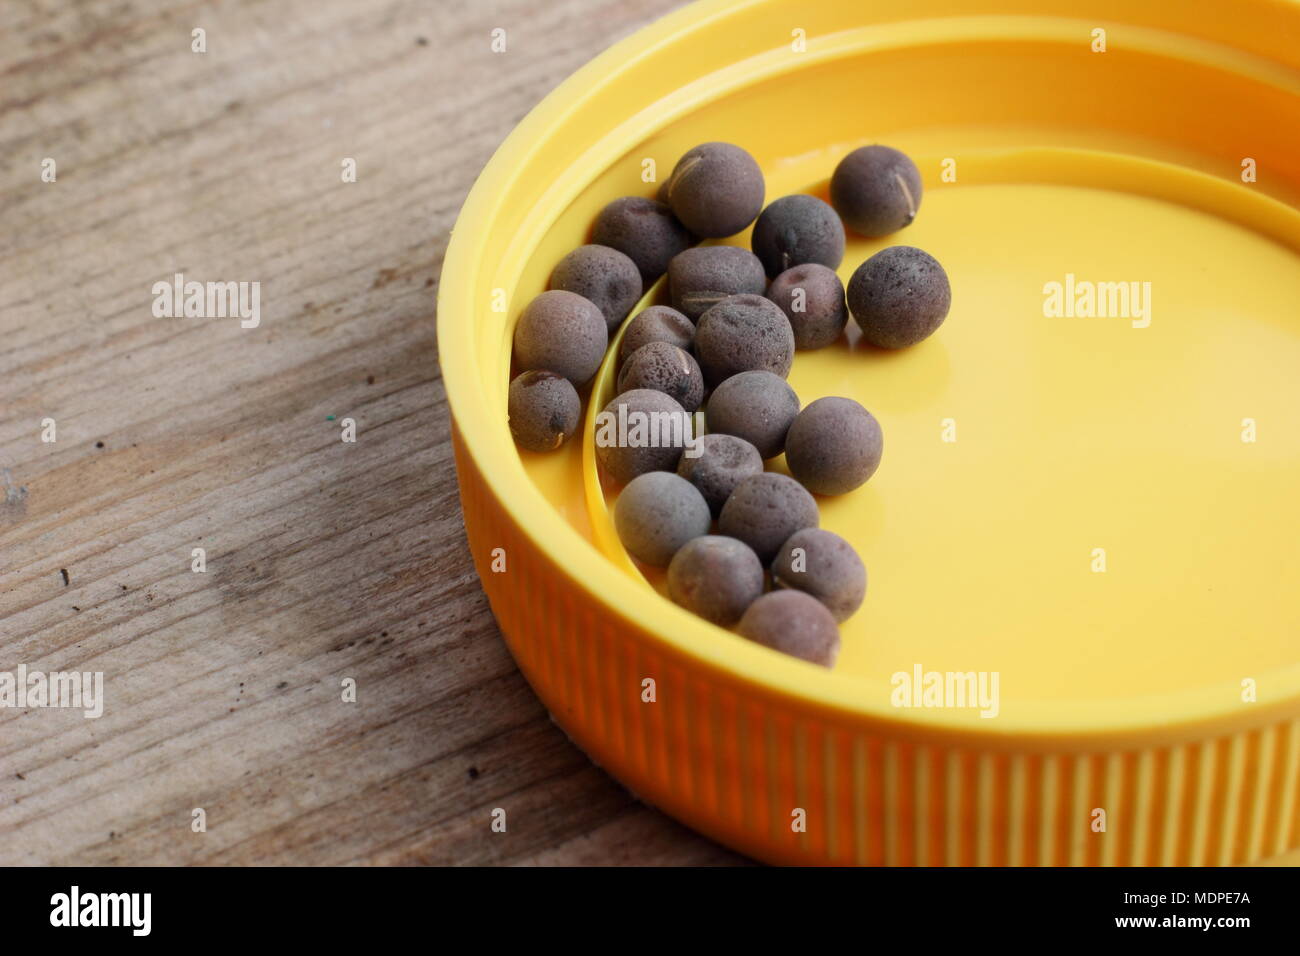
(812, 298)
(630, 434)
(876, 190)
(664, 368)
(658, 323)
(724, 462)
(715, 190)
(757, 406)
(605, 277)
(656, 514)
(563, 333)
(833, 446)
(740, 333)
(795, 230)
(701, 277)
(645, 231)
(795, 624)
(544, 409)
(824, 565)
(715, 577)
(765, 510)
(899, 297)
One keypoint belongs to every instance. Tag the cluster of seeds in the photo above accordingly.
(705, 508)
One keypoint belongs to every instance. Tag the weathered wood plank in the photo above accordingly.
(325, 560)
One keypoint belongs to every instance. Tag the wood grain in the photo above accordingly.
(326, 560)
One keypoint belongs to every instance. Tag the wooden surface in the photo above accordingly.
(325, 560)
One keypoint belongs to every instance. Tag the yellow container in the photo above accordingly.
(1100, 510)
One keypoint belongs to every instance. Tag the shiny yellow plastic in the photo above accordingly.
(1102, 510)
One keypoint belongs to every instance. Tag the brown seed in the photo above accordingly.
(812, 298)
(765, 510)
(544, 410)
(795, 624)
(700, 278)
(656, 514)
(715, 190)
(899, 297)
(740, 333)
(640, 431)
(821, 563)
(833, 446)
(795, 230)
(757, 406)
(605, 277)
(658, 323)
(724, 462)
(715, 577)
(561, 332)
(664, 368)
(645, 231)
(876, 190)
